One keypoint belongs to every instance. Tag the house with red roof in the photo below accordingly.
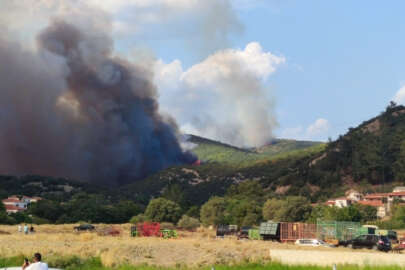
(14, 204)
(13, 209)
(382, 208)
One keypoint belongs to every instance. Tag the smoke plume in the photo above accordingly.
(224, 97)
(72, 109)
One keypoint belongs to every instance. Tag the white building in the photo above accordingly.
(342, 202)
(354, 195)
(14, 204)
(399, 189)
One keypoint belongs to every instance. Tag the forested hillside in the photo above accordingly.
(370, 157)
(213, 151)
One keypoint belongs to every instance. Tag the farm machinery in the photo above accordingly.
(286, 231)
(226, 230)
(150, 229)
(245, 232)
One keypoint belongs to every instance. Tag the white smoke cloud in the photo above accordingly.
(224, 97)
(204, 25)
(399, 97)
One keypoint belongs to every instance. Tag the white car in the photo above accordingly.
(312, 243)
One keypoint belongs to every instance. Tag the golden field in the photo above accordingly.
(191, 249)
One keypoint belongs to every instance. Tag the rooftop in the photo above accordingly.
(371, 203)
(13, 208)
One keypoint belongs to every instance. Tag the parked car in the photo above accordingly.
(312, 243)
(84, 227)
(372, 241)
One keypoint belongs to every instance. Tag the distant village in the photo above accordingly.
(381, 201)
(15, 204)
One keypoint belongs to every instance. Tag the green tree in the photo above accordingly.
(3, 214)
(251, 190)
(349, 213)
(242, 212)
(398, 214)
(367, 212)
(124, 210)
(293, 208)
(89, 208)
(271, 208)
(21, 217)
(213, 211)
(161, 209)
(46, 209)
(399, 165)
(193, 211)
(174, 193)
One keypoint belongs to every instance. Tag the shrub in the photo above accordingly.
(138, 219)
(39, 221)
(188, 223)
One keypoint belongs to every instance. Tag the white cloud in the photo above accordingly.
(318, 130)
(399, 97)
(319, 127)
(224, 97)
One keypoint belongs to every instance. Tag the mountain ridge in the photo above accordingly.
(369, 156)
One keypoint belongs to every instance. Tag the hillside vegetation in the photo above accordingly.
(213, 151)
(370, 157)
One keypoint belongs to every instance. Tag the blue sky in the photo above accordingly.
(314, 67)
(344, 59)
(350, 56)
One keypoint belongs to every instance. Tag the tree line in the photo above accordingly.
(244, 204)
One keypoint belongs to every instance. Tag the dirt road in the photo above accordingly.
(323, 257)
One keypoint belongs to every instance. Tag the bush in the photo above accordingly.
(188, 223)
(138, 219)
(6, 219)
(39, 221)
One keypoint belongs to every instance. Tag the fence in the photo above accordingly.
(340, 230)
(292, 231)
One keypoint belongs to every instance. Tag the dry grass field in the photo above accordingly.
(190, 249)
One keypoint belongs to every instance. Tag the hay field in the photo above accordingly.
(190, 249)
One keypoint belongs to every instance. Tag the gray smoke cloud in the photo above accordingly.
(73, 109)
